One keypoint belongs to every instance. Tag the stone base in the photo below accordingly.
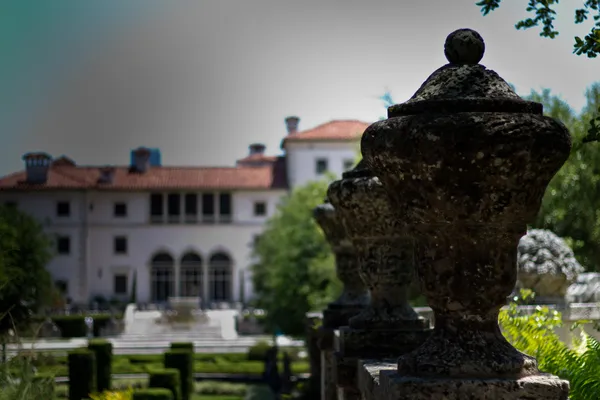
(380, 380)
(384, 343)
(335, 316)
(354, 344)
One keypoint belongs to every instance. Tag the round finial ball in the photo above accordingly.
(464, 46)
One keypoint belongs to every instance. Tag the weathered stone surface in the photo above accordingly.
(536, 387)
(379, 343)
(312, 323)
(465, 163)
(385, 251)
(585, 290)
(354, 293)
(353, 299)
(546, 265)
(351, 345)
(368, 377)
(378, 380)
(389, 326)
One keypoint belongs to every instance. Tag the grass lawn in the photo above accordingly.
(203, 363)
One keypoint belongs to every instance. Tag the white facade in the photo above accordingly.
(303, 159)
(101, 253)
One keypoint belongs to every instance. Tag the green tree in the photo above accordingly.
(25, 284)
(545, 14)
(295, 272)
(570, 205)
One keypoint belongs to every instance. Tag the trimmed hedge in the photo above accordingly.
(82, 374)
(167, 378)
(182, 346)
(182, 360)
(152, 394)
(74, 325)
(103, 351)
(258, 352)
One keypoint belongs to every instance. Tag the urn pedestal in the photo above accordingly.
(388, 327)
(465, 163)
(353, 299)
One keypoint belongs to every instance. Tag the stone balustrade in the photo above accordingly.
(447, 185)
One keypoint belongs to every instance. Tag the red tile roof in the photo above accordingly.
(68, 177)
(331, 131)
(256, 159)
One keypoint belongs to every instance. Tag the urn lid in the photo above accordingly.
(464, 85)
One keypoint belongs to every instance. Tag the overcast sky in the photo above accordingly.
(201, 80)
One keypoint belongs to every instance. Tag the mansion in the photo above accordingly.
(174, 231)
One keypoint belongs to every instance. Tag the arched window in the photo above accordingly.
(220, 274)
(190, 277)
(162, 277)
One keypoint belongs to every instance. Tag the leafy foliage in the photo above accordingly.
(295, 272)
(113, 395)
(534, 334)
(25, 283)
(569, 207)
(545, 15)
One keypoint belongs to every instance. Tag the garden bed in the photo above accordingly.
(227, 363)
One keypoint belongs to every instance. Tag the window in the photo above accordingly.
(225, 207)
(120, 284)
(62, 286)
(156, 206)
(260, 208)
(63, 245)
(120, 245)
(120, 210)
(174, 206)
(191, 204)
(321, 166)
(63, 209)
(348, 164)
(208, 207)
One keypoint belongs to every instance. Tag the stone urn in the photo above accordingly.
(465, 163)
(385, 251)
(354, 293)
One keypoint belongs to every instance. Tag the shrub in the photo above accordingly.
(535, 334)
(71, 325)
(215, 388)
(259, 392)
(103, 351)
(182, 346)
(258, 352)
(45, 384)
(74, 325)
(167, 378)
(182, 360)
(82, 374)
(153, 394)
(113, 395)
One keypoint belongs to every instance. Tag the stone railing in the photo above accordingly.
(445, 190)
(370, 369)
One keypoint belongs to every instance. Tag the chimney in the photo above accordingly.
(37, 166)
(141, 160)
(107, 174)
(292, 124)
(257, 148)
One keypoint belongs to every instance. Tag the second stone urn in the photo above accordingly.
(385, 252)
(354, 293)
(465, 163)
